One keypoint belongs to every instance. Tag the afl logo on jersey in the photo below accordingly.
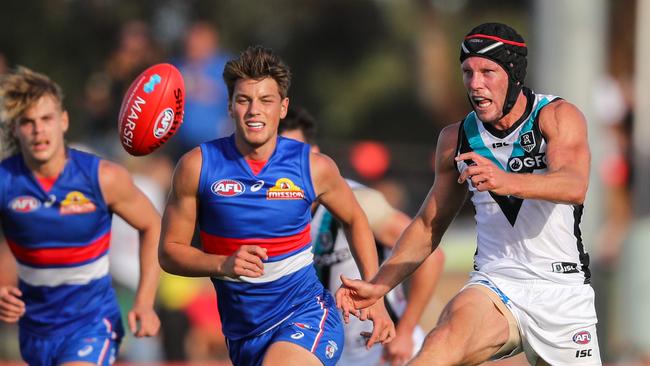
(24, 204)
(227, 188)
(583, 337)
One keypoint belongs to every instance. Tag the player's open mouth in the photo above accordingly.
(481, 102)
(255, 125)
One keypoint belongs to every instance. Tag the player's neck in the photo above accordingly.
(514, 115)
(259, 153)
(50, 168)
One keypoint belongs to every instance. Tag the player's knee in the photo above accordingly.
(440, 347)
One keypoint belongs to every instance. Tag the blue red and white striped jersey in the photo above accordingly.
(271, 209)
(60, 239)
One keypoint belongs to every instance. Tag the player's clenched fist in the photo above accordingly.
(246, 261)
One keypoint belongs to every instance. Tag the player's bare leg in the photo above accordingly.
(289, 354)
(471, 329)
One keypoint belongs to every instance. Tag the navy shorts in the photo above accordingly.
(316, 326)
(96, 343)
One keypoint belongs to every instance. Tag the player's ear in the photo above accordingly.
(65, 121)
(284, 107)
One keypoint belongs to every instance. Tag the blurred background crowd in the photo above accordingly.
(383, 78)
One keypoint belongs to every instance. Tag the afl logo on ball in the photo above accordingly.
(227, 188)
(163, 123)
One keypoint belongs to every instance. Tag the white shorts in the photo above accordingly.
(355, 352)
(557, 323)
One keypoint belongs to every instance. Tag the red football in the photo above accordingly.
(152, 109)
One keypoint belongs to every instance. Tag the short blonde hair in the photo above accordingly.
(19, 90)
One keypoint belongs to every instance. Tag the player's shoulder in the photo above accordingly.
(112, 173)
(448, 136)
(560, 114)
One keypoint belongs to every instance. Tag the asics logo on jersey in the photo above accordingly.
(85, 351)
(51, 199)
(24, 204)
(227, 188)
(519, 163)
(257, 186)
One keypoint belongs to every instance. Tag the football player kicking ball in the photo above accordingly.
(56, 205)
(525, 159)
(251, 194)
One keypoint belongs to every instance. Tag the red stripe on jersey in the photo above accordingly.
(219, 245)
(59, 256)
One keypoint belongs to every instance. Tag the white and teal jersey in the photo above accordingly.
(522, 238)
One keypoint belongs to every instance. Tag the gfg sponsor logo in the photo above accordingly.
(227, 188)
(520, 163)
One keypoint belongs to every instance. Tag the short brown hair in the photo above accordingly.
(257, 63)
(19, 90)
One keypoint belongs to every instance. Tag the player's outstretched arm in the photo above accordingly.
(176, 254)
(128, 202)
(423, 234)
(567, 158)
(335, 194)
(387, 224)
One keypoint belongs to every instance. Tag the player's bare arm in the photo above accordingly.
(128, 202)
(335, 194)
(567, 155)
(423, 234)
(176, 254)
(422, 285)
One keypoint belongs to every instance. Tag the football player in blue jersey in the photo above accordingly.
(56, 205)
(251, 194)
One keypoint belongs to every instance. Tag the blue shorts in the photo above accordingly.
(316, 326)
(96, 343)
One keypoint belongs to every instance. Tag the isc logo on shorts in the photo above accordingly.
(227, 188)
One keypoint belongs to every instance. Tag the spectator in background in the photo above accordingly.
(206, 108)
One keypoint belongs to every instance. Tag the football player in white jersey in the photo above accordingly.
(525, 159)
(332, 258)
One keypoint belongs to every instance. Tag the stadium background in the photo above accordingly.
(382, 78)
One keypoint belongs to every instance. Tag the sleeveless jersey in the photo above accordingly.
(522, 238)
(333, 258)
(60, 240)
(270, 209)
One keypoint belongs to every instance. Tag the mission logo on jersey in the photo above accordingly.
(76, 203)
(284, 189)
